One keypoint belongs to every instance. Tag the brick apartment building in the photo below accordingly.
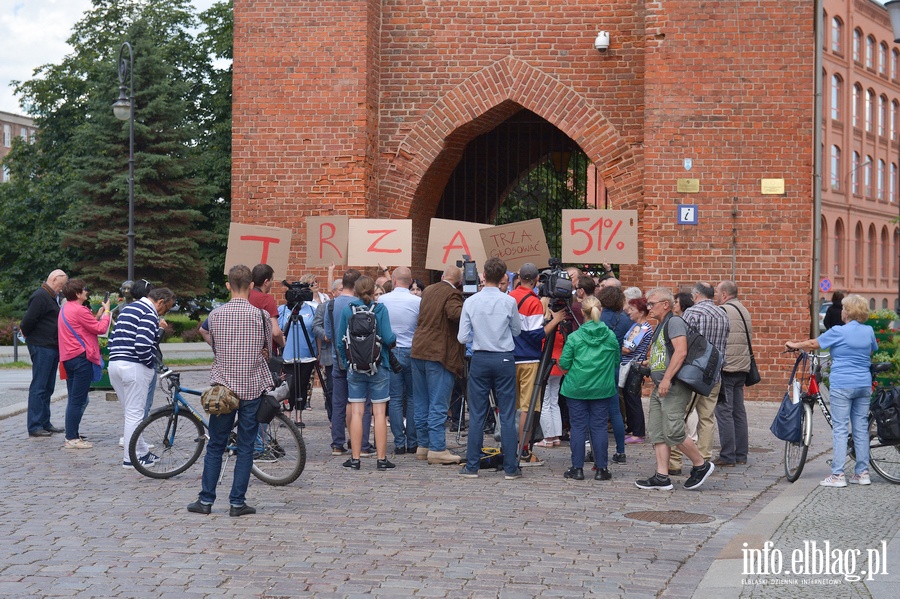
(375, 108)
(861, 132)
(12, 125)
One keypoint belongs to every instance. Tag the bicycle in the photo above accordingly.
(179, 433)
(806, 385)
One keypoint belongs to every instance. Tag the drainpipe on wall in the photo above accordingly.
(819, 24)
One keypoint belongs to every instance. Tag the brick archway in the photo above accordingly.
(421, 164)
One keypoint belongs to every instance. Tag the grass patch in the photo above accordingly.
(189, 362)
(16, 365)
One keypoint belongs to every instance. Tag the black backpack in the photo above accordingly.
(886, 410)
(361, 340)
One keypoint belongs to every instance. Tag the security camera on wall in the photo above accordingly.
(601, 44)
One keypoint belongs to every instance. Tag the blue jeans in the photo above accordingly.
(402, 402)
(339, 395)
(590, 417)
(850, 407)
(219, 431)
(618, 425)
(44, 362)
(492, 371)
(79, 373)
(432, 385)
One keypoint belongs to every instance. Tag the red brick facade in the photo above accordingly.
(364, 108)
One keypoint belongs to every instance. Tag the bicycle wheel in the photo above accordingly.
(884, 459)
(795, 453)
(283, 456)
(178, 441)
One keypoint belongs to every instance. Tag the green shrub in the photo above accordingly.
(180, 323)
(6, 330)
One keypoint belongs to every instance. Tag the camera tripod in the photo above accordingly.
(300, 370)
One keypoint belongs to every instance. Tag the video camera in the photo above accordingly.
(554, 283)
(470, 278)
(297, 293)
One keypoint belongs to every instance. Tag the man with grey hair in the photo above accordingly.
(665, 428)
(40, 330)
(730, 414)
(714, 325)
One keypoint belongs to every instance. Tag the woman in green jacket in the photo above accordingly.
(590, 355)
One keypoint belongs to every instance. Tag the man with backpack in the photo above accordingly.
(365, 335)
(668, 400)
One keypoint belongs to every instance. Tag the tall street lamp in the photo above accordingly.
(123, 108)
(893, 8)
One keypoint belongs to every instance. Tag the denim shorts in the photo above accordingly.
(377, 387)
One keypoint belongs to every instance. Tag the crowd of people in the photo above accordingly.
(488, 347)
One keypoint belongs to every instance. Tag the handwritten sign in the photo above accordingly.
(448, 240)
(326, 240)
(374, 241)
(597, 236)
(517, 243)
(256, 244)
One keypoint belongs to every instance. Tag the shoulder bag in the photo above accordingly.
(702, 363)
(753, 375)
(97, 372)
(219, 400)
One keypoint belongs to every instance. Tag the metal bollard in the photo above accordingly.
(15, 344)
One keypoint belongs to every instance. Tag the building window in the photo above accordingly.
(885, 255)
(854, 174)
(882, 58)
(871, 303)
(867, 176)
(882, 114)
(857, 45)
(870, 52)
(837, 86)
(23, 133)
(837, 30)
(835, 167)
(895, 63)
(895, 111)
(870, 110)
(859, 252)
(873, 255)
(824, 258)
(838, 248)
(892, 182)
(854, 108)
(884, 304)
(879, 180)
(7, 135)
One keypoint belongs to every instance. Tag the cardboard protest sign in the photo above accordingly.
(517, 243)
(374, 241)
(255, 244)
(448, 240)
(326, 240)
(597, 236)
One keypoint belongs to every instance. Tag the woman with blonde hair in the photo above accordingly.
(851, 347)
(590, 355)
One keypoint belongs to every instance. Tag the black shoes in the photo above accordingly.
(619, 458)
(200, 508)
(243, 510)
(574, 473)
(55, 429)
(602, 474)
(352, 464)
(385, 464)
(657, 481)
(40, 433)
(399, 451)
(699, 474)
(412, 449)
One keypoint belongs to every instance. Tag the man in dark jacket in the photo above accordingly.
(39, 327)
(437, 358)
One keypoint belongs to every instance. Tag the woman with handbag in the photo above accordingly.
(590, 356)
(79, 353)
(851, 347)
(634, 351)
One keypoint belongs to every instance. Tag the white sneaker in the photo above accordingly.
(121, 441)
(835, 480)
(861, 478)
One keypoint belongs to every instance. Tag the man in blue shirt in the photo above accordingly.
(490, 320)
(403, 308)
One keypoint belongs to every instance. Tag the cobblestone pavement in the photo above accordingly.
(77, 524)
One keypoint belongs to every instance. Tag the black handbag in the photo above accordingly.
(753, 375)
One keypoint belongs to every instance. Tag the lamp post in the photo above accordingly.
(893, 8)
(123, 108)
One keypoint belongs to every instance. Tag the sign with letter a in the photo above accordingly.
(517, 243)
(374, 241)
(326, 240)
(448, 240)
(256, 244)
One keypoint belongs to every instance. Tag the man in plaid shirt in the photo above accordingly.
(241, 338)
(714, 325)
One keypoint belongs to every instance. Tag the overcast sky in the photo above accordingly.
(34, 33)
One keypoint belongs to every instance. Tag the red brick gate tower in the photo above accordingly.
(365, 107)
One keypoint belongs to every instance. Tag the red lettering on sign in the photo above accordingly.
(266, 241)
(464, 246)
(384, 233)
(323, 239)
